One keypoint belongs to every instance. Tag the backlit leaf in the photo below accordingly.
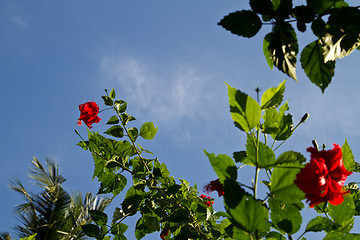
(273, 97)
(245, 111)
(313, 63)
(148, 130)
(244, 23)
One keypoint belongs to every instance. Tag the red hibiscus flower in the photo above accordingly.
(214, 186)
(322, 179)
(164, 233)
(88, 113)
(208, 203)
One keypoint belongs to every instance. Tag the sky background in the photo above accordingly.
(169, 60)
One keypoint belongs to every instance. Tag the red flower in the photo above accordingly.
(88, 113)
(214, 186)
(208, 203)
(323, 178)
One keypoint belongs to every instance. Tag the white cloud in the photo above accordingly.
(170, 95)
(19, 21)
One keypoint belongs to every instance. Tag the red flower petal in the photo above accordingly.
(88, 113)
(323, 177)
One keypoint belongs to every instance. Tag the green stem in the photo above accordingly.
(257, 163)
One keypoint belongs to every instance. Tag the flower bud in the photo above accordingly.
(303, 119)
(314, 143)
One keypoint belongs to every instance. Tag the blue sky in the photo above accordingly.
(169, 60)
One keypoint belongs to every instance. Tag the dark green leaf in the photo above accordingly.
(282, 47)
(244, 23)
(318, 27)
(115, 131)
(113, 120)
(98, 217)
(118, 214)
(273, 97)
(133, 133)
(313, 63)
(245, 111)
(122, 107)
(266, 44)
(250, 214)
(261, 6)
(131, 203)
(107, 100)
(223, 166)
(319, 224)
(283, 186)
(125, 118)
(148, 131)
(91, 230)
(240, 157)
(319, 6)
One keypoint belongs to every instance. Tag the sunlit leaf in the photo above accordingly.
(245, 111)
(148, 130)
(273, 97)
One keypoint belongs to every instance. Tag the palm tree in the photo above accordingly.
(53, 213)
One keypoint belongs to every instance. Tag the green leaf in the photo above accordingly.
(285, 126)
(273, 97)
(266, 44)
(244, 23)
(107, 101)
(285, 217)
(348, 158)
(91, 230)
(148, 131)
(115, 131)
(113, 120)
(223, 166)
(250, 214)
(343, 33)
(240, 157)
(133, 133)
(112, 183)
(313, 62)
(275, 236)
(245, 111)
(131, 203)
(335, 235)
(282, 47)
(259, 154)
(290, 157)
(125, 118)
(122, 108)
(118, 214)
(119, 228)
(83, 144)
(112, 94)
(98, 217)
(32, 237)
(283, 186)
(344, 212)
(271, 121)
(319, 224)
